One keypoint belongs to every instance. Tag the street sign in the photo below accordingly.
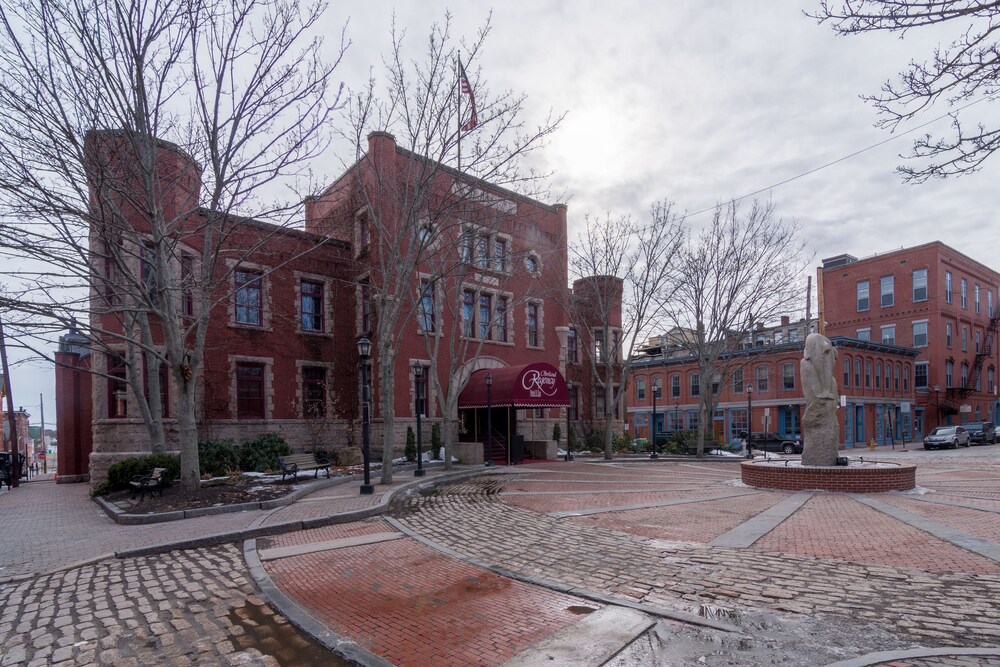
(904, 408)
(965, 407)
(767, 411)
(41, 456)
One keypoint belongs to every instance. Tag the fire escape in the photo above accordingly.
(960, 393)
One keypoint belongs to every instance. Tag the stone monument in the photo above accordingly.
(820, 427)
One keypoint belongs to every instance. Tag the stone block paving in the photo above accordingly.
(695, 522)
(579, 499)
(176, 609)
(412, 606)
(836, 526)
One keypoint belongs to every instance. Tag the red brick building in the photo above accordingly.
(280, 350)
(931, 298)
(762, 387)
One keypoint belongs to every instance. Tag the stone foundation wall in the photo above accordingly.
(843, 479)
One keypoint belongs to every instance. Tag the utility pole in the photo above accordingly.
(15, 469)
(41, 409)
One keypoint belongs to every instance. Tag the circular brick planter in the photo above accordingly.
(847, 479)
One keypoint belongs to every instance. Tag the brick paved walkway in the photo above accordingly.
(496, 562)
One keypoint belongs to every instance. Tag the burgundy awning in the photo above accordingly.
(537, 385)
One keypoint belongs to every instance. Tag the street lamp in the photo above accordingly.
(569, 451)
(364, 353)
(937, 404)
(656, 390)
(418, 377)
(488, 445)
(749, 421)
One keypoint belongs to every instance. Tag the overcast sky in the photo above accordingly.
(698, 102)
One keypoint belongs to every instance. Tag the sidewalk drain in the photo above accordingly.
(580, 610)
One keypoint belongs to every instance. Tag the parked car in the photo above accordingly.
(981, 433)
(947, 436)
(773, 442)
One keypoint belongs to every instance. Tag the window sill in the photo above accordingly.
(316, 334)
(249, 327)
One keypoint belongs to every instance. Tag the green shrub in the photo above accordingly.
(261, 454)
(121, 473)
(556, 432)
(217, 458)
(411, 445)
(595, 439)
(436, 440)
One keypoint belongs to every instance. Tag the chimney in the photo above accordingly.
(784, 320)
(760, 326)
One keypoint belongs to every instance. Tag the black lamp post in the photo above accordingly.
(418, 377)
(656, 390)
(677, 414)
(364, 353)
(569, 451)
(488, 445)
(937, 404)
(749, 421)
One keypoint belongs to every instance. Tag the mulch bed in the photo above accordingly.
(209, 495)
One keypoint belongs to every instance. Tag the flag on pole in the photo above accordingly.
(466, 89)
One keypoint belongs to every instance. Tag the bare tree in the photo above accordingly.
(744, 267)
(130, 236)
(415, 202)
(622, 283)
(959, 74)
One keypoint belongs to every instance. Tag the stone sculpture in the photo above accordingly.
(820, 427)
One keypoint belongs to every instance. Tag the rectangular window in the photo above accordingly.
(990, 379)
(312, 306)
(499, 254)
(248, 298)
(847, 373)
(572, 355)
(965, 339)
(485, 308)
(920, 334)
(965, 293)
(468, 313)
(117, 387)
(483, 251)
(895, 384)
(979, 341)
(975, 296)
(920, 285)
(906, 378)
(675, 386)
(863, 302)
(793, 335)
(250, 391)
(164, 385)
(426, 306)
(364, 234)
(920, 374)
(868, 374)
(501, 319)
(878, 375)
(857, 373)
(187, 286)
(694, 385)
(947, 287)
(864, 334)
(738, 381)
(599, 345)
(889, 334)
(533, 325)
(949, 373)
(788, 377)
(888, 375)
(762, 378)
(640, 389)
(366, 306)
(466, 245)
(887, 290)
(947, 334)
(314, 392)
(989, 303)
(148, 271)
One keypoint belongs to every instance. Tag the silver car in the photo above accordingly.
(947, 436)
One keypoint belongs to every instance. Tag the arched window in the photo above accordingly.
(847, 372)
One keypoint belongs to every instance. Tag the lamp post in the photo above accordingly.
(749, 421)
(364, 352)
(677, 413)
(418, 377)
(937, 404)
(488, 445)
(656, 390)
(569, 450)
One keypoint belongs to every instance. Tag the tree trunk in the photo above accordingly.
(387, 408)
(187, 431)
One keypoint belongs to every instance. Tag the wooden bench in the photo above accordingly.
(292, 464)
(151, 483)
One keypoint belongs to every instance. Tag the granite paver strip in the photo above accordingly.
(642, 506)
(328, 545)
(959, 538)
(746, 534)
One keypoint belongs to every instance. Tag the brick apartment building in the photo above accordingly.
(280, 352)
(935, 300)
(761, 386)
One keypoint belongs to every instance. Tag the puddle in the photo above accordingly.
(580, 609)
(283, 642)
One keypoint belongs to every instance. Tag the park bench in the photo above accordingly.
(294, 463)
(151, 483)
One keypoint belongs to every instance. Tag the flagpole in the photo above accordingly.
(458, 89)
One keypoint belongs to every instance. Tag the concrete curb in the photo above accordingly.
(891, 656)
